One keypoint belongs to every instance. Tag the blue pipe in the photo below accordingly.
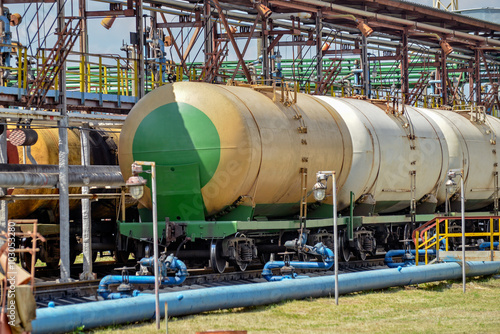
(486, 245)
(319, 249)
(171, 262)
(408, 260)
(61, 319)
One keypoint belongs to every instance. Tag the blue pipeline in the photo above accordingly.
(170, 263)
(320, 249)
(486, 245)
(61, 319)
(407, 261)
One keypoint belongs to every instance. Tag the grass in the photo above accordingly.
(102, 257)
(439, 307)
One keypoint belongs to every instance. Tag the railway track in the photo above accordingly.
(86, 291)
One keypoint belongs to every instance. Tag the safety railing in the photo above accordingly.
(15, 75)
(113, 74)
(438, 233)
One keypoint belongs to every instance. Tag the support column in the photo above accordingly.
(4, 214)
(366, 67)
(84, 46)
(86, 213)
(319, 47)
(140, 49)
(63, 163)
(477, 76)
(405, 85)
(265, 46)
(208, 30)
(444, 78)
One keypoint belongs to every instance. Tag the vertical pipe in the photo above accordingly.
(463, 226)
(426, 245)
(86, 214)
(208, 31)
(140, 49)
(319, 49)
(4, 214)
(366, 67)
(83, 43)
(446, 233)
(335, 238)
(444, 79)
(417, 246)
(265, 55)
(350, 227)
(155, 244)
(491, 238)
(63, 162)
(438, 221)
(405, 86)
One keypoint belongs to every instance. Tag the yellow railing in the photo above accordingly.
(432, 233)
(18, 73)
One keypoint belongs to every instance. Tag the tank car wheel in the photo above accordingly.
(239, 266)
(121, 256)
(265, 257)
(94, 256)
(217, 262)
(361, 255)
(53, 264)
(344, 250)
(26, 261)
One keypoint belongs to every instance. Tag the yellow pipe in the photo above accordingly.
(438, 222)
(484, 234)
(105, 79)
(126, 82)
(136, 78)
(416, 247)
(89, 87)
(100, 75)
(446, 232)
(118, 77)
(491, 234)
(82, 74)
(426, 257)
(19, 77)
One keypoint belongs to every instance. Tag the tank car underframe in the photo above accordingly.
(222, 241)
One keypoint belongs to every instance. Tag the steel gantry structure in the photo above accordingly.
(384, 49)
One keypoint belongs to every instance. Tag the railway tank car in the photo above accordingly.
(234, 162)
(103, 151)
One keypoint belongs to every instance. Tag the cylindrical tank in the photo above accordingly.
(249, 146)
(393, 152)
(46, 152)
(246, 143)
(472, 143)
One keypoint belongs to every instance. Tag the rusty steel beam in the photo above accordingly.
(330, 7)
(101, 13)
(252, 30)
(405, 85)
(180, 24)
(191, 43)
(233, 41)
(426, 11)
(176, 47)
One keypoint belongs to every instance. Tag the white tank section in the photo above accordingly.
(473, 147)
(397, 157)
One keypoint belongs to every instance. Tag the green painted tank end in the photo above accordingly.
(179, 134)
(185, 145)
